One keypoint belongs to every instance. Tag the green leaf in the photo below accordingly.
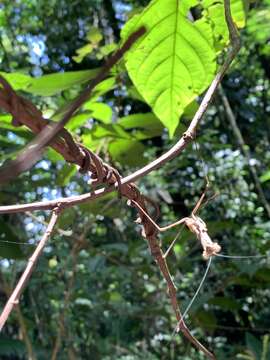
(206, 319)
(101, 131)
(53, 155)
(141, 121)
(94, 35)
(100, 111)
(17, 80)
(107, 49)
(3, 18)
(263, 274)
(146, 125)
(22, 131)
(104, 87)
(102, 206)
(82, 53)
(52, 84)
(174, 62)
(259, 24)
(77, 121)
(118, 247)
(214, 12)
(265, 177)
(128, 152)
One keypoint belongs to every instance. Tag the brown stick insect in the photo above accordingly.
(195, 224)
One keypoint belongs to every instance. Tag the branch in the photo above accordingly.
(239, 138)
(163, 159)
(14, 298)
(33, 151)
(105, 174)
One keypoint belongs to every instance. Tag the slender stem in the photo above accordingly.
(15, 296)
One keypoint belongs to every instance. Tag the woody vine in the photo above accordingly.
(102, 174)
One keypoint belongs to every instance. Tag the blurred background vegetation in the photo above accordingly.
(97, 293)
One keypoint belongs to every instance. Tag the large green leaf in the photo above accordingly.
(5, 126)
(17, 80)
(48, 85)
(52, 84)
(175, 60)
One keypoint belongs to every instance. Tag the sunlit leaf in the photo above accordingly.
(94, 35)
(99, 111)
(82, 53)
(169, 68)
(17, 80)
(265, 177)
(52, 84)
(77, 121)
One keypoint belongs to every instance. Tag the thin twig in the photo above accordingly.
(15, 296)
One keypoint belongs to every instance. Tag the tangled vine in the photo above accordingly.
(48, 133)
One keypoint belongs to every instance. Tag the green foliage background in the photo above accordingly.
(96, 290)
